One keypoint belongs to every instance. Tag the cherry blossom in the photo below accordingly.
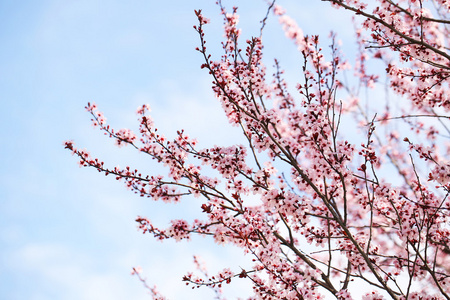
(348, 191)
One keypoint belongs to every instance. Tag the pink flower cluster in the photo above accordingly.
(317, 214)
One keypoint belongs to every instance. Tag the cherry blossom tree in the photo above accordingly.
(333, 208)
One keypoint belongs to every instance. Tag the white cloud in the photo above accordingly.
(59, 270)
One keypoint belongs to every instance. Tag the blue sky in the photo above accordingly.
(67, 232)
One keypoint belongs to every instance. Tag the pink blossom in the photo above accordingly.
(331, 187)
